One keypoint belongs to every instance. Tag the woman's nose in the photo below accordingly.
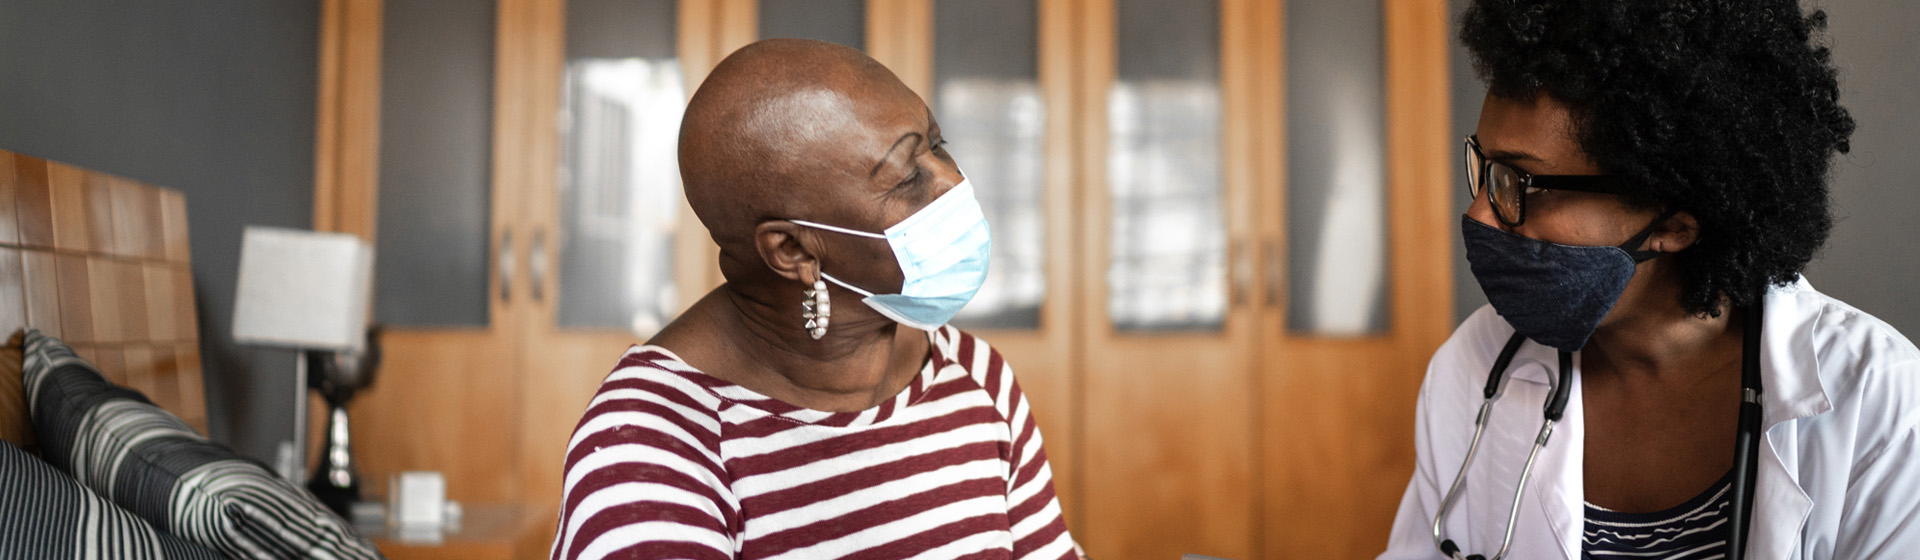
(1482, 211)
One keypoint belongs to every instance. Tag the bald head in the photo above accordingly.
(788, 128)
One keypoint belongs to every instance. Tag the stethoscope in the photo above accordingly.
(1746, 442)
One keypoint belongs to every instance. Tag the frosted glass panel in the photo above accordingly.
(1168, 239)
(436, 145)
(833, 21)
(1336, 168)
(619, 182)
(987, 99)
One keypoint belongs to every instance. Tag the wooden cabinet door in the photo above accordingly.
(998, 76)
(411, 155)
(615, 252)
(1356, 272)
(1166, 324)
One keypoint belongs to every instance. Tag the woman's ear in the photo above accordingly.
(789, 250)
(1675, 234)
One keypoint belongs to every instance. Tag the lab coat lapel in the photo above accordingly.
(1554, 491)
(1562, 488)
(1790, 372)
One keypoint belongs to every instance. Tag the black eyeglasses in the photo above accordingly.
(1507, 188)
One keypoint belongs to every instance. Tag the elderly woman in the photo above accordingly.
(1649, 177)
(816, 405)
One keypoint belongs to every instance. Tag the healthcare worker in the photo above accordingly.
(1653, 379)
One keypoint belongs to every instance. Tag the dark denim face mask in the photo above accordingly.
(1554, 294)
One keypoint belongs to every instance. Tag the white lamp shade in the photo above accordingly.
(303, 289)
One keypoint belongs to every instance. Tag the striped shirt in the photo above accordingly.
(669, 462)
(1696, 530)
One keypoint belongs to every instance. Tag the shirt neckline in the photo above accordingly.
(939, 357)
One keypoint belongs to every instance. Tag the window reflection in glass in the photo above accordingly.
(620, 193)
(1336, 168)
(436, 151)
(833, 21)
(988, 101)
(1168, 246)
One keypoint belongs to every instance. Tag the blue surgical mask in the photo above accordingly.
(943, 253)
(1554, 294)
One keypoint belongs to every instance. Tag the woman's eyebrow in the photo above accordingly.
(1510, 155)
(890, 149)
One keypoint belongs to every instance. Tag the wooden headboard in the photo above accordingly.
(102, 263)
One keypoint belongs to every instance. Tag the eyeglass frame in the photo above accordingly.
(1527, 182)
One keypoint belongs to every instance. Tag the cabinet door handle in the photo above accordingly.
(537, 265)
(505, 265)
(1242, 271)
(1276, 273)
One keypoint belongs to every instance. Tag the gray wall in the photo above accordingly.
(215, 99)
(1873, 259)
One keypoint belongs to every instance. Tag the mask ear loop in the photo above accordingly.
(1632, 246)
(838, 229)
(849, 287)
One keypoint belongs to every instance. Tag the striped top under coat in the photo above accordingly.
(1695, 530)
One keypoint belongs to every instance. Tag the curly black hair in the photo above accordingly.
(1726, 109)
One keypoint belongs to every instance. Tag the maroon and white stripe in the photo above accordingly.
(669, 462)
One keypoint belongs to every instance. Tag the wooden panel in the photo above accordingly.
(9, 222)
(112, 363)
(43, 292)
(185, 319)
(442, 401)
(69, 191)
(1168, 418)
(76, 297)
(16, 421)
(103, 283)
(97, 204)
(35, 198)
(488, 532)
(193, 395)
(143, 369)
(65, 280)
(130, 284)
(136, 215)
(161, 324)
(173, 215)
(347, 140)
(13, 292)
(1335, 464)
(899, 36)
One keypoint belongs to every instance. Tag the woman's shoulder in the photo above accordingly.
(981, 362)
(1860, 360)
(654, 373)
(1838, 330)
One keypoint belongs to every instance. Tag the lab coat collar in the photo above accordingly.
(1791, 390)
(1789, 362)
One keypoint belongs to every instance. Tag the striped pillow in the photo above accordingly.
(146, 460)
(47, 514)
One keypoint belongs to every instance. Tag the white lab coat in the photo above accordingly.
(1838, 476)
